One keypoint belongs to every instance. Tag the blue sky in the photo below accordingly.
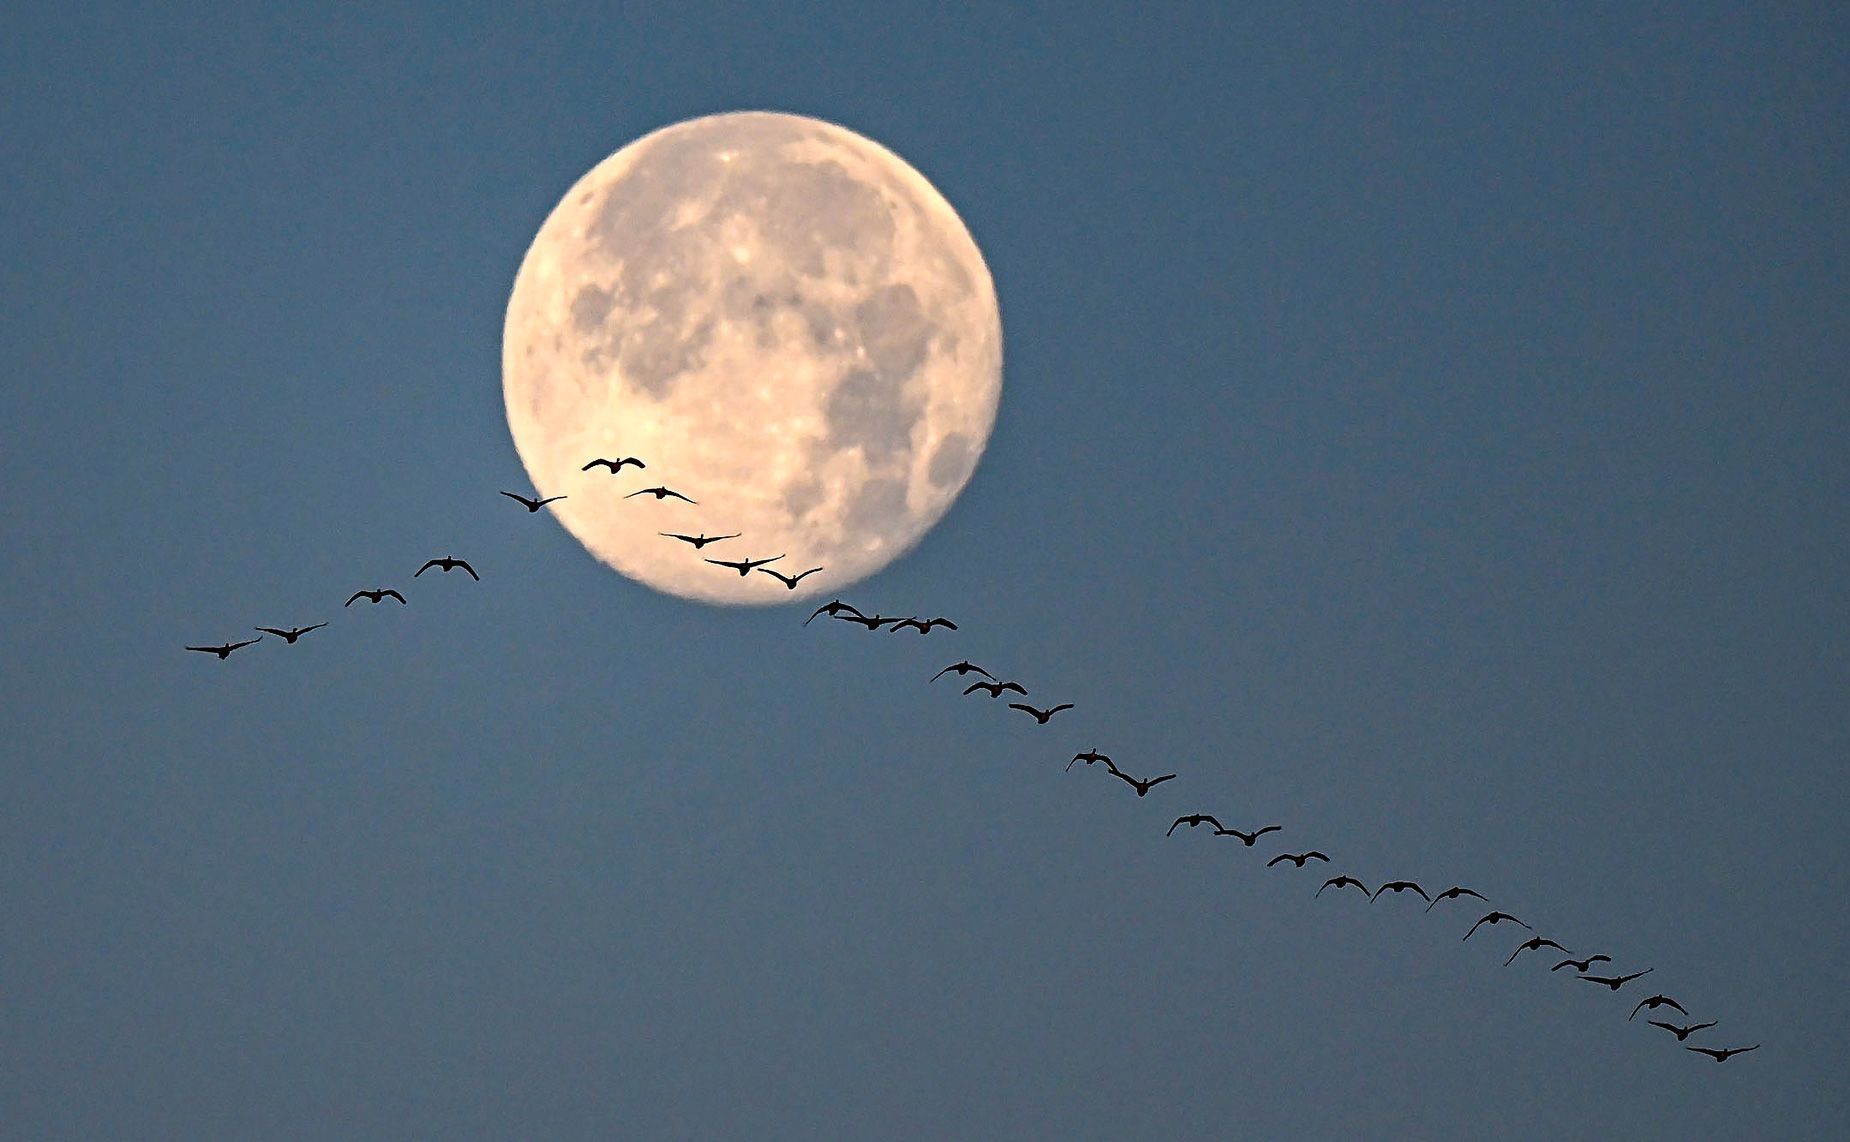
(1421, 427)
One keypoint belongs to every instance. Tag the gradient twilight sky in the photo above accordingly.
(1422, 427)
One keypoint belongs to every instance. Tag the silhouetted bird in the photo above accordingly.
(833, 608)
(1581, 966)
(1493, 919)
(871, 622)
(289, 636)
(699, 541)
(1297, 859)
(789, 581)
(994, 689)
(1681, 1033)
(1615, 982)
(531, 505)
(1040, 716)
(1088, 757)
(1724, 1054)
(924, 626)
(224, 651)
(447, 564)
(1454, 893)
(1398, 886)
(1191, 821)
(743, 566)
(963, 668)
(1142, 786)
(1248, 838)
(615, 466)
(1655, 1002)
(1534, 943)
(1341, 882)
(660, 494)
(377, 596)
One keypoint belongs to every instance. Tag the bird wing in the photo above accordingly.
(938, 622)
(685, 539)
(643, 492)
(1276, 859)
(1575, 964)
(1419, 890)
(631, 460)
(1520, 949)
(317, 626)
(1669, 1002)
(725, 563)
(974, 687)
(1024, 708)
(464, 564)
(246, 642)
(1061, 706)
(550, 499)
(940, 673)
(1711, 1052)
(679, 496)
(1311, 855)
(278, 633)
(355, 596)
(594, 464)
(520, 498)
(1015, 686)
(1172, 829)
(388, 594)
(1165, 777)
(1599, 959)
(1267, 829)
(205, 649)
(1474, 927)
(1671, 1027)
(427, 566)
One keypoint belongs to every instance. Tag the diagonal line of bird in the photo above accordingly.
(993, 688)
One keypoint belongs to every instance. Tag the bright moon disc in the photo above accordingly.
(785, 322)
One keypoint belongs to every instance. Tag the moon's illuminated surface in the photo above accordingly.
(785, 321)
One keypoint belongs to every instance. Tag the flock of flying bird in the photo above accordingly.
(994, 688)
(1582, 968)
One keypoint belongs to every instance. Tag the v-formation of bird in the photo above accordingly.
(533, 504)
(994, 687)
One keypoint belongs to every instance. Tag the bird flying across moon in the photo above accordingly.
(782, 316)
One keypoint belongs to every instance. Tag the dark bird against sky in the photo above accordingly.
(701, 540)
(1089, 757)
(374, 596)
(660, 494)
(1534, 943)
(1454, 893)
(531, 505)
(1723, 1054)
(924, 626)
(289, 636)
(1039, 715)
(1399, 886)
(615, 466)
(1192, 820)
(833, 608)
(1141, 785)
(1615, 982)
(1493, 919)
(1248, 838)
(961, 669)
(995, 689)
(447, 564)
(1655, 1002)
(1582, 966)
(1297, 859)
(1681, 1033)
(1341, 882)
(224, 650)
(789, 581)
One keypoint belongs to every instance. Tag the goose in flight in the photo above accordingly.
(871, 622)
(1341, 882)
(1723, 1054)
(923, 626)
(1493, 919)
(1142, 786)
(1534, 943)
(1088, 757)
(1040, 716)
(743, 566)
(1297, 859)
(615, 466)
(1398, 886)
(289, 636)
(1582, 966)
(1191, 820)
(375, 596)
(789, 581)
(1655, 1002)
(1454, 893)
(531, 505)
(661, 494)
(1248, 838)
(963, 668)
(447, 564)
(1615, 982)
(224, 651)
(699, 541)
(1681, 1033)
(833, 608)
(994, 689)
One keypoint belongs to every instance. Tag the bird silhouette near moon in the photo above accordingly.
(787, 322)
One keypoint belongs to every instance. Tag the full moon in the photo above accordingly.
(785, 322)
